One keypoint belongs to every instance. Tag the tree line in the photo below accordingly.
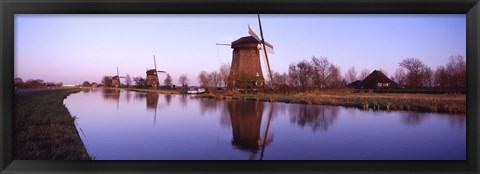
(34, 83)
(320, 73)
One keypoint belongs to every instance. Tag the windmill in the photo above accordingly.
(152, 76)
(246, 70)
(116, 80)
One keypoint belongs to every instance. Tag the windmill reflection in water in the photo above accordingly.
(246, 119)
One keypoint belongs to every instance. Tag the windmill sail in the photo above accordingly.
(253, 34)
(265, 49)
(268, 46)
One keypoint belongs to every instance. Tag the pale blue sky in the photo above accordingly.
(75, 48)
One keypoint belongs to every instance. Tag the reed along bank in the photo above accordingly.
(44, 128)
(439, 103)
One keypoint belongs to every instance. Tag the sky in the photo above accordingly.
(85, 47)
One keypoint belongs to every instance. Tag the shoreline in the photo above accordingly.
(159, 91)
(435, 103)
(44, 128)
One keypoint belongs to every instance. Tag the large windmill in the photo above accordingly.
(116, 80)
(246, 70)
(152, 76)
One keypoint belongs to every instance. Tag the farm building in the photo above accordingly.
(375, 80)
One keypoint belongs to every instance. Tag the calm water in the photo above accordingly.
(121, 125)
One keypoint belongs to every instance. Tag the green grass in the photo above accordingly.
(44, 128)
(441, 103)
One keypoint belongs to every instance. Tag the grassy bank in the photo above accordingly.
(441, 103)
(44, 128)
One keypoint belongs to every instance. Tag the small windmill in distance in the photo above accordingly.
(152, 76)
(116, 80)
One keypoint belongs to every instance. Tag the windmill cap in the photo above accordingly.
(245, 40)
(152, 71)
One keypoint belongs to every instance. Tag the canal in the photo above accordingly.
(127, 125)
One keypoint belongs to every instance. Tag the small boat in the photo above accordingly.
(196, 91)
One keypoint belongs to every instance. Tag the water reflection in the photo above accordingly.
(183, 100)
(315, 116)
(111, 94)
(237, 129)
(246, 121)
(456, 121)
(412, 118)
(152, 100)
(168, 98)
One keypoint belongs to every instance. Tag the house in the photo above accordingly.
(375, 80)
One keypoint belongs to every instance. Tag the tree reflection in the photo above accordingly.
(456, 121)
(168, 98)
(412, 118)
(129, 96)
(315, 116)
(139, 96)
(209, 105)
(112, 94)
(183, 100)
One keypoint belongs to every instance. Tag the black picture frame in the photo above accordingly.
(10, 7)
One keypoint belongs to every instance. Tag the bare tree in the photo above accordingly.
(400, 76)
(417, 73)
(293, 75)
(86, 84)
(203, 78)
(224, 73)
(183, 79)
(321, 71)
(168, 81)
(129, 80)
(441, 77)
(334, 77)
(304, 74)
(107, 81)
(364, 73)
(351, 75)
(457, 72)
(140, 82)
(214, 79)
(280, 79)
(428, 77)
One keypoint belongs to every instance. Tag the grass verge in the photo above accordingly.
(441, 103)
(44, 128)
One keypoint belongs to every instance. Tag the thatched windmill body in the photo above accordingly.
(246, 70)
(116, 80)
(152, 76)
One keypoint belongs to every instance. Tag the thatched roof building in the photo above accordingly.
(376, 80)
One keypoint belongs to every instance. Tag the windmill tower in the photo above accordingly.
(116, 80)
(152, 76)
(246, 70)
